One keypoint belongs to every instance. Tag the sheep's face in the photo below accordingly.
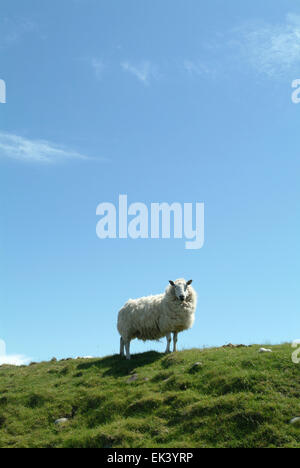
(181, 289)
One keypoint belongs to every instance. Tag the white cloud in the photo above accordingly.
(14, 360)
(38, 151)
(272, 49)
(11, 359)
(144, 71)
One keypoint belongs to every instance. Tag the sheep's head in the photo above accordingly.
(181, 288)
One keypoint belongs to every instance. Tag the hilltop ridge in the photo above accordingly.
(218, 397)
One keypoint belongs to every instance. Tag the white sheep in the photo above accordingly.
(153, 317)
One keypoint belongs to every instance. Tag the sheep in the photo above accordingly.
(153, 317)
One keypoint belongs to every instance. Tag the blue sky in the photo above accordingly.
(162, 101)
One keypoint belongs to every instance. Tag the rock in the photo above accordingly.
(196, 367)
(295, 422)
(265, 350)
(61, 421)
(54, 359)
(84, 357)
(230, 345)
(132, 378)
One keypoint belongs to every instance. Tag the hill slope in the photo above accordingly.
(233, 397)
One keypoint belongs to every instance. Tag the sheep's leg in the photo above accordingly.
(175, 342)
(121, 346)
(127, 347)
(169, 339)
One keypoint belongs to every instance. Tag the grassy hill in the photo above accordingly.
(232, 397)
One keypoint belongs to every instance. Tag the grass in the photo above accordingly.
(234, 397)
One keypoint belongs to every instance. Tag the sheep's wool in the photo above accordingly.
(153, 317)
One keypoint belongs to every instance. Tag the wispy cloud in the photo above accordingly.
(198, 68)
(35, 151)
(272, 49)
(13, 30)
(144, 71)
(98, 67)
(12, 359)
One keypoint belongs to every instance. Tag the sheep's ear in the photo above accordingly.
(189, 282)
(172, 283)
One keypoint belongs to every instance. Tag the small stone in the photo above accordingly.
(265, 350)
(295, 422)
(132, 378)
(230, 345)
(61, 421)
(196, 367)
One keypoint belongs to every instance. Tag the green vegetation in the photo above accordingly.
(232, 397)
